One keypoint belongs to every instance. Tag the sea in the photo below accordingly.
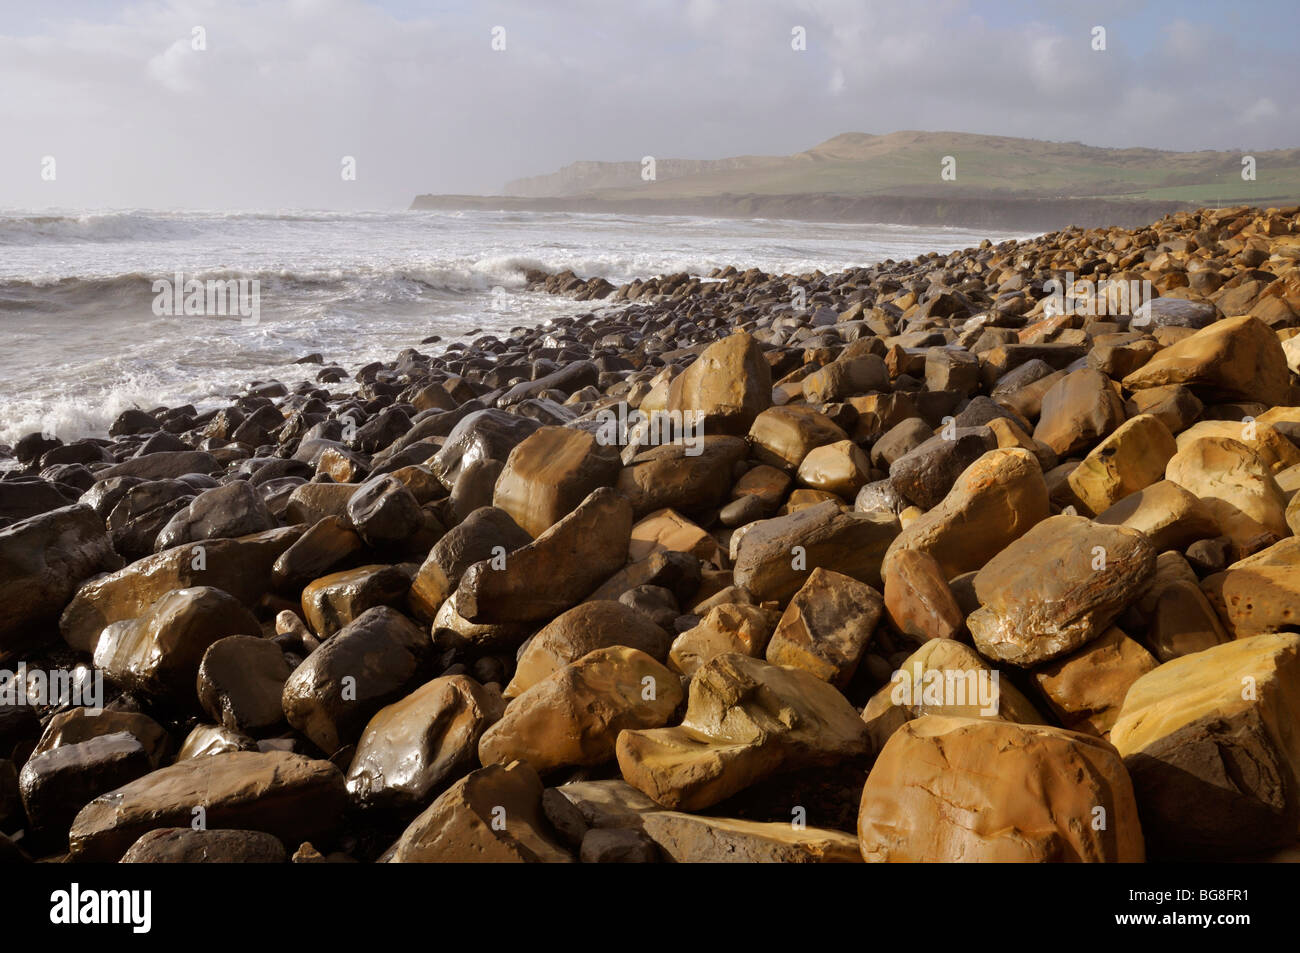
(91, 323)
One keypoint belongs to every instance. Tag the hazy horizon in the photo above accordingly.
(191, 104)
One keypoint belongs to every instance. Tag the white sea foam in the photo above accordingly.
(81, 342)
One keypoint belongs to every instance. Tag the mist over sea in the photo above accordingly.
(81, 341)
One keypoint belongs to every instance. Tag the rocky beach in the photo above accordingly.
(984, 556)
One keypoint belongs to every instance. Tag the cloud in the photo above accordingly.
(263, 115)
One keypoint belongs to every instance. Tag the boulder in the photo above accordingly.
(1236, 487)
(1085, 690)
(373, 661)
(1080, 409)
(827, 627)
(978, 790)
(745, 721)
(584, 628)
(490, 816)
(1167, 514)
(782, 436)
(240, 681)
(727, 386)
(158, 654)
(284, 794)
(775, 557)
(240, 567)
(1056, 588)
(43, 560)
(918, 600)
(995, 501)
(1132, 458)
(183, 845)
(331, 602)
(729, 627)
(223, 512)
(1210, 742)
(690, 478)
(486, 533)
(925, 475)
(573, 716)
(1239, 358)
(574, 556)
(840, 468)
(549, 473)
(59, 782)
(944, 677)
(419, 744)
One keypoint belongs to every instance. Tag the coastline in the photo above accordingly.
(887, 457)
(957, 210)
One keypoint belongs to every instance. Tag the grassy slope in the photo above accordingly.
(908, 163)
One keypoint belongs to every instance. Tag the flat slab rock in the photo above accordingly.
(293, 797)
(692, 838)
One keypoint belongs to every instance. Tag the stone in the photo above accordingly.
(1238, 358)
(775, 557)
(952, 370)
(1236, 487)
(687, 838)
(1086, 690)
(1080, 409)
(57, 783)
(163, 465)
(573, 716)
(978, 790)
(726, 387)
(944, 677)
(840, 468)
(994, 502)
(319, 551)
(1274, 450)
(1259, 594)
(486, 533)
(383, 511)
(1167, 514)
(574, 556)
(277, 792)
(43, 560)
(689, 478)
(312, 502)
(207, 740)
(618, 846)
(371, 662)
(925, 474)
(549, 473)
(419, 744)
(458, 827)
(479, 438)
(729, 627)
(81, 724)
(183, 845)
(584, 628)
(1132, 458)
(745, 721)
(827, 627)
(1056, 588)
(240, 681)
(1209, 740)
(224, 512)
(331, 602)
(844, 378)
(159, 653)
(668, 530)
(240, 567)
(1175, 405)
(782, 436)
(917, 600)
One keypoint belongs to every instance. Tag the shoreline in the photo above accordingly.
(700, 630)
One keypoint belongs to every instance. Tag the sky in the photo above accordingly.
(260, 104)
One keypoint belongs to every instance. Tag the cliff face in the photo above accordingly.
(995, 212)
(578, 178)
